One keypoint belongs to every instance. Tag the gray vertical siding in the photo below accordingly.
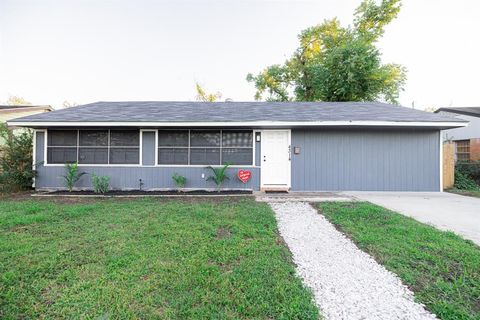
(258, 152)
(148, 148)
(152, 177)
(405, 160)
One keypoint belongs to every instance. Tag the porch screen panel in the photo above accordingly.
(205, 156)
(124, 147)
(173, 147)
(62, 146)
(237, 147)
(93, 147)
(205, 147)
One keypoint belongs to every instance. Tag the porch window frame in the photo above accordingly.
(220, 147)
(156, 164)
(46, 146)
(139, 147)
(158, 146)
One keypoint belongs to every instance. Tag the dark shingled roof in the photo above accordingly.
(162, 111)
(469, 111)
(19, 107)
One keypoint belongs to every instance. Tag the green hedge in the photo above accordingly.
(16, 172)
(471, 169)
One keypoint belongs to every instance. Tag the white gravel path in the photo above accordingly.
(347, 283)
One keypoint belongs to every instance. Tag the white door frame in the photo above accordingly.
(289, 176)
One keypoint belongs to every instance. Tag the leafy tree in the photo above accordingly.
(206, 97)
(17, 101)
(335, 63)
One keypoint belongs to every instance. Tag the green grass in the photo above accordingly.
(441, 268)
(470, 193)
(146, 259)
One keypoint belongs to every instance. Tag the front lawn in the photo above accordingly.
(146, 258)
(441, 268)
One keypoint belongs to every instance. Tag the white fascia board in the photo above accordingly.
(239, 124)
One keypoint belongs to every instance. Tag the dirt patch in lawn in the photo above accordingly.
(69, 199)
(86, 200)
(223, 233)
(21, 195)
(286, 253)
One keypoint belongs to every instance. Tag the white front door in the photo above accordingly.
(275, 159)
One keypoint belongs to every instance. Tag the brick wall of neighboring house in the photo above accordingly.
(475, 149)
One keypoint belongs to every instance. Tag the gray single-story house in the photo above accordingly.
(317, 146)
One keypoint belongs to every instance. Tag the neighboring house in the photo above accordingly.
(12, 112)
(466, 139)
(286, 146)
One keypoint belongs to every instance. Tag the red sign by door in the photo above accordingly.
(244, 175)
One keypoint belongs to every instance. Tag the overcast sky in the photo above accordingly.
(86, 51)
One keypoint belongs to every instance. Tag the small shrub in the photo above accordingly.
(219, 175)
(101, 184)
(470, 169)
(464, 182)
(16, 170)
(179, 180)
(72, 175)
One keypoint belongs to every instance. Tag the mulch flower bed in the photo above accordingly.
(148, 193)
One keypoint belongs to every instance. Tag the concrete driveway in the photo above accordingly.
(443, 210)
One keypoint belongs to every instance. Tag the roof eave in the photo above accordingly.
(263, 124)
(461, 112)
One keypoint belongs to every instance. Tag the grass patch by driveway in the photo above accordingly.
(146, 258)
(441, 268)
(470, 193)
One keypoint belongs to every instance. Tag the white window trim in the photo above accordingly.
(255, 148)
(204, 165)
(46, 164)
